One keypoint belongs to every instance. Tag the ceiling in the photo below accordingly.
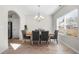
(43, 9)
(34, 9)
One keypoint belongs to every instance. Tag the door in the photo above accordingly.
(9, 30)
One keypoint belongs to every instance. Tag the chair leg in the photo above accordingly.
(38, 42)
(47, 42)
(32, 42)
(50, 40)
(23, 41)
(54, 39)
(57, 41)
(41, 42)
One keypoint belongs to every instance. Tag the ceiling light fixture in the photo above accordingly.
(38, 17)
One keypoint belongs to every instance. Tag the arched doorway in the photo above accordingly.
(13, 25)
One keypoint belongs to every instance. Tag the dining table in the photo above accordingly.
(30, 34)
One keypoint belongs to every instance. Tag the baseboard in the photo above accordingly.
(70, 47)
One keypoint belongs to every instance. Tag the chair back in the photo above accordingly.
(24, 34)
(44, 35)
(56, 34)
(35, 35)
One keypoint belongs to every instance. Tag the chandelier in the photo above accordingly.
(38, 17)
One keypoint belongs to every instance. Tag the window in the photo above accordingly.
(67, 24)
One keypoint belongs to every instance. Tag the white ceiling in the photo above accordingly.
(34, 9)
(43, 9)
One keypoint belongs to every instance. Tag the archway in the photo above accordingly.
(13, 25)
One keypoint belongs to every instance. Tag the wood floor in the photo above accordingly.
(18, 47)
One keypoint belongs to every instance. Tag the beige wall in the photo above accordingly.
(3, 29)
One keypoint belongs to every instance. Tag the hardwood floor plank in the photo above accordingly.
(18, 47)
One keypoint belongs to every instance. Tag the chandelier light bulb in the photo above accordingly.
(38, 16)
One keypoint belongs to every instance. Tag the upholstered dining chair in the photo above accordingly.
(35, 36)
(25, 37)
(44, 36)
(55, 36)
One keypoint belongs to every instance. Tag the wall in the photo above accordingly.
(33, 24)
(3, 29)
(20, 11)
(26, 19)
(69, 41)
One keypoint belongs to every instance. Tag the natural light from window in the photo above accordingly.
(15, 46)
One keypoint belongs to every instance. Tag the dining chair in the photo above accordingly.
(44, 36)
(55, 36)
(35, 37)
(24, 35)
